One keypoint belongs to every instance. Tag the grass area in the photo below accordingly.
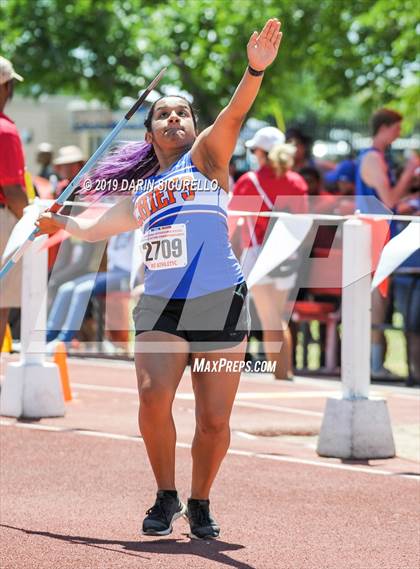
(396, 356)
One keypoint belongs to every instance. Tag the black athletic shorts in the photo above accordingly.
(210, 322)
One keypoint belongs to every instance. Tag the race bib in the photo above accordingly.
(165, 247)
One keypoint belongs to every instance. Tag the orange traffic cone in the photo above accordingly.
(60, 358)
(7, 341)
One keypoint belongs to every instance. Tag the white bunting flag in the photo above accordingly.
(284, 240)
(396, 252)
(21, 230)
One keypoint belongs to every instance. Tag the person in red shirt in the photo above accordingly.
(274, 186)
(12, 190)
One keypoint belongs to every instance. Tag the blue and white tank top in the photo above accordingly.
(367, 198)
(185, 243)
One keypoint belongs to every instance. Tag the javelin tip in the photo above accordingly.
(157, 79)
(143, 96)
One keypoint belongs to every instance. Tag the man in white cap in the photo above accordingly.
(68, 162)
(12, 190)
(44, 158)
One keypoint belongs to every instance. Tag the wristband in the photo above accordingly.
(255, 72)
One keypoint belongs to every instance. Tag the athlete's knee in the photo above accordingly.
(211, 424)
(155, 398)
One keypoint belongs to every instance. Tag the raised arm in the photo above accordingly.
(214, 147)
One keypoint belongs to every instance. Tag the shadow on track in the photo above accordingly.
(210, 549)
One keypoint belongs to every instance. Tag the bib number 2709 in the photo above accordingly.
(165, 247)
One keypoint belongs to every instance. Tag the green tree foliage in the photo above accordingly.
(335, 54)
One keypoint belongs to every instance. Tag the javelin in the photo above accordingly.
(59, 202)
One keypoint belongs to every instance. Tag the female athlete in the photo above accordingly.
(194, 302)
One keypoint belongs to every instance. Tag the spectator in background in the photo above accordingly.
(13, 197)
(303, 156)
(378, 192)
(45, 183)
(271, 186)
(340, 183)
(406, 285)
(303, 143)
(342, 179)
(313, 179)
(68, 162)
(323, 201)
(73, 259)
(320, 201)
(44, 158)
(373, 175)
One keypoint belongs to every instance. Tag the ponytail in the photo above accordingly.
(281, 158)
(129, 161)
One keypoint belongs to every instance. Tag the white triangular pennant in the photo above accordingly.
(284, 240)
(396, 252)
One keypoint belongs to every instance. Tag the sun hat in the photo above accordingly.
(68, 155)
(7, 72)
(265, 138)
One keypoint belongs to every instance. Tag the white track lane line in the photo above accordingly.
(278, 408)
(235, 452)
(244, 435)
(106, 388)
(241, 395)
(260, 377)
(190, 397)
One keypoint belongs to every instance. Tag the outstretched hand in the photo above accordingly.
(46, 224)
(262, 48)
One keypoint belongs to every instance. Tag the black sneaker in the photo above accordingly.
(202, 523)
(160, 517)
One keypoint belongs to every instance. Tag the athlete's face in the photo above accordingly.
(172, 124)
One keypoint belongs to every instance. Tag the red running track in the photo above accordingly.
(74, 490)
